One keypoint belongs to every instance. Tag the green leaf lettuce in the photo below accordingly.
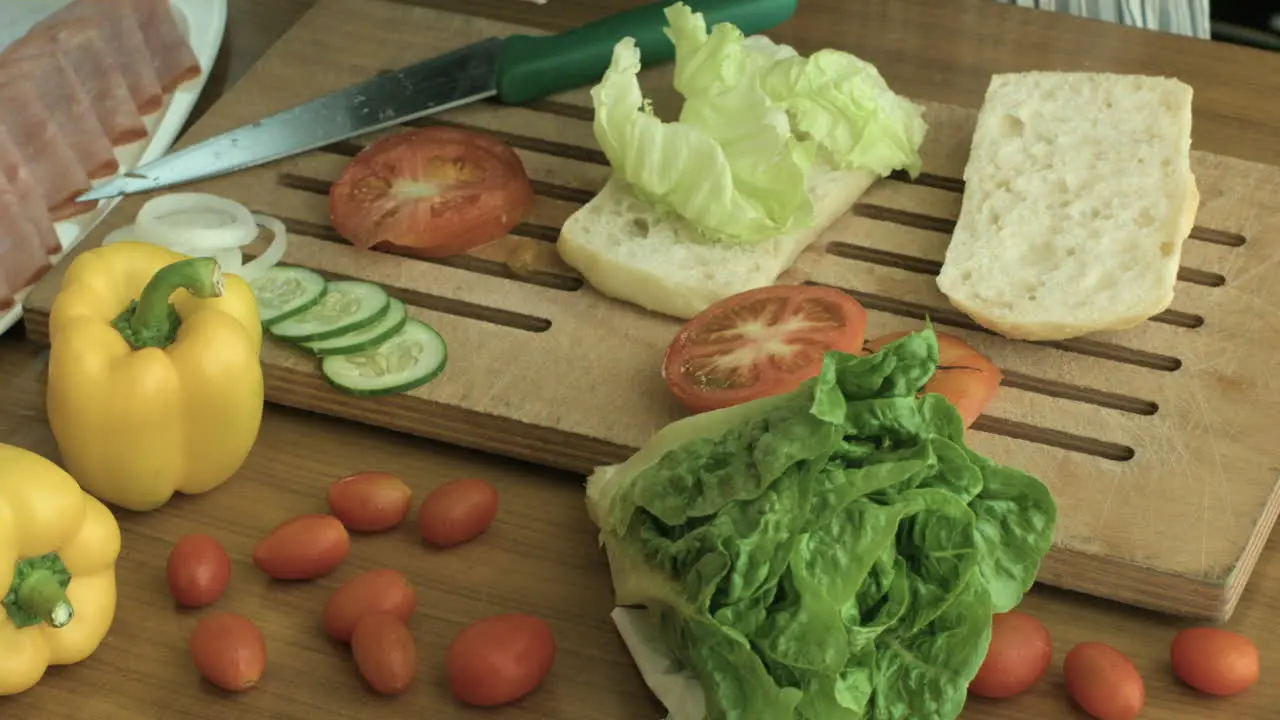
(835, 552)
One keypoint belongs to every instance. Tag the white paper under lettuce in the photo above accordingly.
(203, 21)
(677, 690)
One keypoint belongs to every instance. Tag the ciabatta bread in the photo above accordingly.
(630, 251)
(1078, 197)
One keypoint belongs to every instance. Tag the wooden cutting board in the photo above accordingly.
(1159, 442)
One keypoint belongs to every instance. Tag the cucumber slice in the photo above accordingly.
(285, 291)
(412, 357)
(347, 306)
(364, 338)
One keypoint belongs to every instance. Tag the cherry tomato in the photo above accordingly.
(1215, 661)
(965, 377)
(385, 653)
(376, 591)
(430, 192)
(1103, 682)
(303, 548)
(229, 651)
(759, 343)
(500, 659)
(370, 501)
(457, 512)
(1019, 654)
(198, 570)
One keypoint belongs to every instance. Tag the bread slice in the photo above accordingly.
(1078, 197)
(631, 251)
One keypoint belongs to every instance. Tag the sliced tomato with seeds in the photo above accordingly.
(430, 192)
(759, 343)
(965, 376)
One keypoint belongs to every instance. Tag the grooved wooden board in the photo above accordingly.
(1158, 442)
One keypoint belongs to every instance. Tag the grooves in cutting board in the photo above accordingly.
(1158, 442)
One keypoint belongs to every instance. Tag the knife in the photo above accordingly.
(514, 70)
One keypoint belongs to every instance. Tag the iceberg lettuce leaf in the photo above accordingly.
(843, 103)
(730, 166)
(757, 121)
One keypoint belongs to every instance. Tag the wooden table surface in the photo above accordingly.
(540, 556)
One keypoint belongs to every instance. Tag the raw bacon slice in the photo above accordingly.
(43, 149)
(171, 56)
(117, 24)
(49, 73)
(22, 259)
(31, 201)
(99, 75)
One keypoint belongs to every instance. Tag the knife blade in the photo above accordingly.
(513, 70)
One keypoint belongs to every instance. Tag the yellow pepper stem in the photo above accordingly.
(39, 593)
(151, 320)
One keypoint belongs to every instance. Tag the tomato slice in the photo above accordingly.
(964, 376)
(759, 343)
(430, 192)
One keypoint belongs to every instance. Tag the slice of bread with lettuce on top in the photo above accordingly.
(770, 148)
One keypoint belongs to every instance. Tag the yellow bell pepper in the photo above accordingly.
(58, 550)
(155, 382)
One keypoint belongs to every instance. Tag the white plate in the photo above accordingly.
(203, 22)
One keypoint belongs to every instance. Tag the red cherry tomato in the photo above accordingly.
(229, 651)
(377, 591)
(1018, 656)
(1215, 661)
(457, 512)
(500, 659)
(370, 501)
(1103, 682)
(198, 570)
(385, 653)
(303, 548)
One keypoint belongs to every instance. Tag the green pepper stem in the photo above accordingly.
(42, 595)
(151, 320)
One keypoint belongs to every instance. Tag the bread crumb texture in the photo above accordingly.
(1078, 197)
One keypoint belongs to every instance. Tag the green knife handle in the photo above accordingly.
(532, 67)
